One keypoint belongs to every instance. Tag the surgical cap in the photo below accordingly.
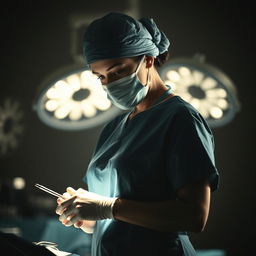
(117, 35)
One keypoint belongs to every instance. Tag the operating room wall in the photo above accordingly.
(35, 41)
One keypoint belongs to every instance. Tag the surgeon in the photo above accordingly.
(152, 172)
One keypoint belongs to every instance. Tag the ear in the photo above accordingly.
(149, 61)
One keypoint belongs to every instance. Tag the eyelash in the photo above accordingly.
(118, 72)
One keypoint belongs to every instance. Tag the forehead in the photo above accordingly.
(105, 64)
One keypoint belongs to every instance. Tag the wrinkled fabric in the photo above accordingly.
(148, 158)
(117, 35)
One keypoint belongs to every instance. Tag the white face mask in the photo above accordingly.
(128, 91)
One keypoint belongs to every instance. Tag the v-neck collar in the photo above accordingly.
(126, 120)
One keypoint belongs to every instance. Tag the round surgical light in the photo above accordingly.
(204, 86)
(74, 101)
(11, 126)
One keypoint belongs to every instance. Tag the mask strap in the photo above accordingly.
(140, 64)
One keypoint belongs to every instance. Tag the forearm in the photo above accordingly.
(171, 216)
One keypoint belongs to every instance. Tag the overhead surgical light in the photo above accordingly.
(204, 86)
(74, 101)
(11, 126)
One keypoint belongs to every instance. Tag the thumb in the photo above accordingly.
(71, 191)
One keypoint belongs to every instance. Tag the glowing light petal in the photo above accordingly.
(198, 77)
(88, 109)
(186, 81)
(209, 103)
(51, 105)
(208, 83)
(221, 92)
(63, 90)
(76, 112)
(204, 111)
(52, 93)
(195, 103)
(88, 79)
(184, 71)
(173, 75)
(216, 112)
(74, 82)
(63, 110)
(222, 103)
(216, 93)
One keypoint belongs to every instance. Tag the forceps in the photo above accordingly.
(49, 190)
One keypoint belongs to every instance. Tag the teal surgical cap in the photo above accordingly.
(117, 35)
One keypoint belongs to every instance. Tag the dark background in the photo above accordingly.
(35, 41)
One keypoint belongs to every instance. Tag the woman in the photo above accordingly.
(153, 170)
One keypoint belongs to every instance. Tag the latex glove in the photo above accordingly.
(85, 205)
(70, 192)
(86, 225)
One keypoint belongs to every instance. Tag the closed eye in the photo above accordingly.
(99, 77)
(118, 72)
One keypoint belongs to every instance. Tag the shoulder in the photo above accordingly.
(182, 107)
(184, 115)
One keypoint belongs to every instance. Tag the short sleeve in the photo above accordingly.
(190, 150)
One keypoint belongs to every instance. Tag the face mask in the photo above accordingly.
(128, 91)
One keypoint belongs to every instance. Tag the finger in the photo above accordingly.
(64, 222)
(66, 195)
(60, 208)
(78, 224)
(66, 218)
(71, 191)
(68, 201)
(68, 222)
(74, 219)
(59, 200)
(62, 218)
(80, 190)
(69, 212)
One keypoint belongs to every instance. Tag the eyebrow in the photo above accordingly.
(114, 65)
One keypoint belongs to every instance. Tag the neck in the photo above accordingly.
(156, 89)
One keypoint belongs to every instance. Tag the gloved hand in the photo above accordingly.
(70, 192)
(85, 205)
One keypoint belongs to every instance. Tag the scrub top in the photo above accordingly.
(148, 158)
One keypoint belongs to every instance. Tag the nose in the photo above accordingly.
(109, 79)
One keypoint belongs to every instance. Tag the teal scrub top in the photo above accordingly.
(148, 158)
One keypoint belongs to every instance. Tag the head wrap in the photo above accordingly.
(117, 35)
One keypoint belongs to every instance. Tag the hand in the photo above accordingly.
(84, 205)
(71, 192)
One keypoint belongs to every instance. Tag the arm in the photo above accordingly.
(188, 213)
